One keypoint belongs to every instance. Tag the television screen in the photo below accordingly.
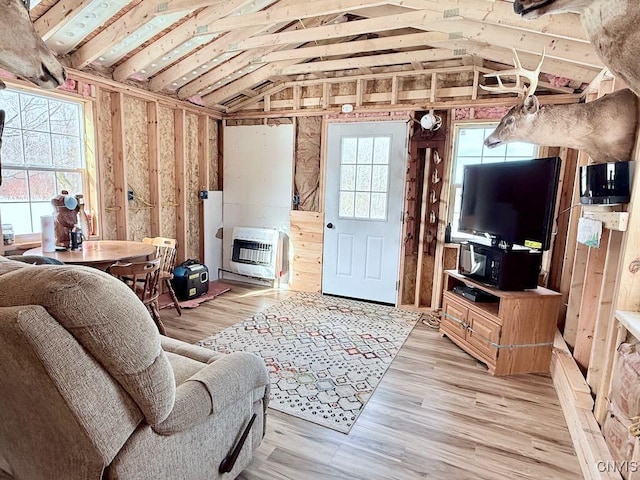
(511, 202)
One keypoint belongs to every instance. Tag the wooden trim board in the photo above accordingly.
(588, 441)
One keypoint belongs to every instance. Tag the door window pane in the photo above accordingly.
(364, 186)
(380, 178)
(346, 209)
(378, 206)
(363, 201)
(348, 177)
(363, 180)
(349, 150)
(381, 150)
(365, 150)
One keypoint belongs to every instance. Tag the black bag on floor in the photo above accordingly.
(190, 279)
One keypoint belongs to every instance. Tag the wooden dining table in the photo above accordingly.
(101, 253)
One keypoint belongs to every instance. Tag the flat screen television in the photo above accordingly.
(511, 202)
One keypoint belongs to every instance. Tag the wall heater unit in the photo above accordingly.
(256, 252)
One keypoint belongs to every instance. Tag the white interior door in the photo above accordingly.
(363, 210)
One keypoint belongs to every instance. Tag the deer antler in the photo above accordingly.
(531, 75)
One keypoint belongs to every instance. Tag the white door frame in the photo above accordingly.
(399, 213)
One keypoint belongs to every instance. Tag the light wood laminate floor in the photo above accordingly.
(437, 414)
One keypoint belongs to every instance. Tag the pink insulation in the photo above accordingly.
(401, 115)
(69, 85)
(481, 113)
(558, 81)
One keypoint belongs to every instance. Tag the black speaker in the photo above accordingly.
(606, 183)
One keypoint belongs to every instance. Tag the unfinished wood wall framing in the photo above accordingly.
(136, 156)
(140, 150)
(592, 283)
(428, 164)
(430, 88)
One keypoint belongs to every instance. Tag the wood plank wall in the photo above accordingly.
(307, 232)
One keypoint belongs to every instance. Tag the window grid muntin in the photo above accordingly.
(348, 197)
(76, 120)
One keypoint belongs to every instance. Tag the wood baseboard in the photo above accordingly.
(577, 407)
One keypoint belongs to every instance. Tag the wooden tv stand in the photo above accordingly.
(512, 335)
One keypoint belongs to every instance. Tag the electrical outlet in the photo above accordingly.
(130, 195)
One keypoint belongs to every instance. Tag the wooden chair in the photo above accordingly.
(166, 252)
(143, 278)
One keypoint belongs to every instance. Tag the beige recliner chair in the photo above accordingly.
(90, 390)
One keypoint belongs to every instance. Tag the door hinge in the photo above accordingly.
(397, 285)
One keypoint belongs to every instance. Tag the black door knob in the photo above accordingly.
(329, 225)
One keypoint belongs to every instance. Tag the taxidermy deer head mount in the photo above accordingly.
(22, 51)
(605, 129)
(612, 26)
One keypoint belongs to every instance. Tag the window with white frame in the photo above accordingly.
(42, 154)
(469, 149)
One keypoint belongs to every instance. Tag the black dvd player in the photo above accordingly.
(474, 294)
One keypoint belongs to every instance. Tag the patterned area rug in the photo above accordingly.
(325, 355)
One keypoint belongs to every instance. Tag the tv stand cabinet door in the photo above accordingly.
(454, 318)
(484, 335)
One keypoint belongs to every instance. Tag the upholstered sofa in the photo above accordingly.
(90, 390)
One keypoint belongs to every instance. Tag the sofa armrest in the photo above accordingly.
(217, 386)
(193, 352)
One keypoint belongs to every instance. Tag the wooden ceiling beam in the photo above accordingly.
(359, 27)
(532, 42)
(58, 16)
(504, 32)
(176, 36)
(556, 63)
(219, 73)
(569, 50)
(290, 13)
(241, 61)
(199, 57)
(248, 81)
(356, 46)
(257, 97)
(530, 61)
(430, 55)
(176, 6)
(292, 67)
(114, 33)
(500, 13)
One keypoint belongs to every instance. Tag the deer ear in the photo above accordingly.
(531, 104)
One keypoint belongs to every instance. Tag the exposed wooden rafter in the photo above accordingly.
(289, 40)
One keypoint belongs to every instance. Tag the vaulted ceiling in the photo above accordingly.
(219, 53)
